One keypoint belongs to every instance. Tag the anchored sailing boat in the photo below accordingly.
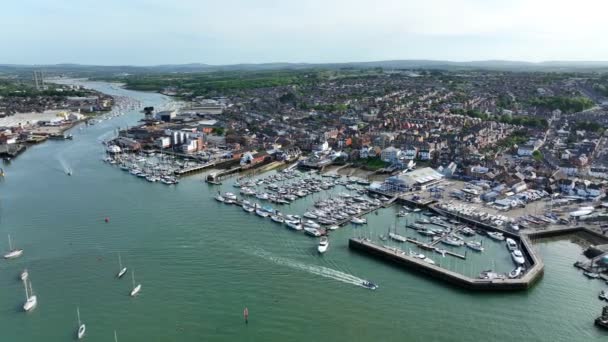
(137, 288)
(30, 299)
(122, 270)
(81, 327)
(12, 253)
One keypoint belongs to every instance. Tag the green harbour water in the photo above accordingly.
(201, 262)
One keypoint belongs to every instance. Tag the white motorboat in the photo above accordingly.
(452, 241)
(220, 198)
(262, 213)
(358, 220)
(310, 215)
(230, 196)
(277, 218)
(262, 196)
(30, 299)
(511, 244)
(24, 275)
(518, 257)
(592, 275)
(516, 272)
(312, 231)
(135, 289)
(311, 224)
(292, 218)
(323, 245)
(295, 225)
(475, 245)
(496, 236)
(81, 327)
(13, 253)
(333, 227)
(248, 208)
(397, 237)
(603, 295)
(121, 270)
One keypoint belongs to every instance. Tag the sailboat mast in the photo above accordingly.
(10, 243)
(31, 291)
(119, 263)
(25, 285)
(115, 338)
(78, 313)
(133, 278)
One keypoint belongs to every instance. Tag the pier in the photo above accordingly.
(401, 258)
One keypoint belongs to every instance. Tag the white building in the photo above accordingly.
(322, 147)
(390, 154)
(163, 142)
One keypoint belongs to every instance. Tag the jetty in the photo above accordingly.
(400, 258)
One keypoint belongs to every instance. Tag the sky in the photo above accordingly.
(152, 32)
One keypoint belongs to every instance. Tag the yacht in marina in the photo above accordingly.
(230, 196)
(511, 244)
(397, 237)
(452, 241)
(312, 231)
(496, 236)
(358, 220)
(262, 213)
(475, 245)
(518, 257)
(295, 225)
(220, 198)
(277, 218)
(515, 273)
(13, 253)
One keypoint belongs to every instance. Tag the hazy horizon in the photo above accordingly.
(154, 32)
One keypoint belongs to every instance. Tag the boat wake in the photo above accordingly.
(313, 269)
(64, 165)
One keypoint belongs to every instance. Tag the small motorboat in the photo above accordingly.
(603, 295)
(452, 241)
(518, 257)
(312, 231)
(333, 227)
(230, 196)
(277, 218)
(496, 236)
(475, 245)
(516, 272)
(262, 213)
(369, 285)
(591, 275)
(323, 245)
(220, 198)
(295, 225)
(358, 220)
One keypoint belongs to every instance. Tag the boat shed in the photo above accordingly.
(421, 178)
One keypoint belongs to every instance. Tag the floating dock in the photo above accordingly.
(403, 259)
